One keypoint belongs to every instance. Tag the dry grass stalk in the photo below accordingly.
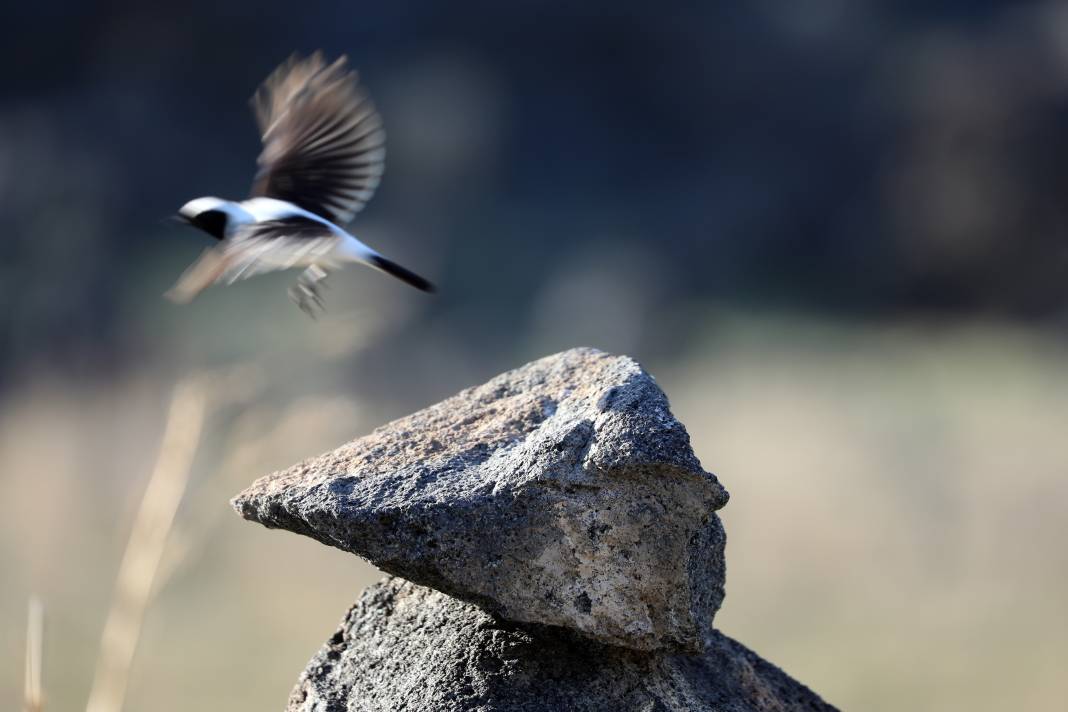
(144, 550)
(34, 701)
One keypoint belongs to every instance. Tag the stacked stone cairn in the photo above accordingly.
(553, 544)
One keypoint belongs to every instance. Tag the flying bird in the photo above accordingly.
(323, 156)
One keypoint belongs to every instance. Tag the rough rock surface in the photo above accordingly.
(563, 493)
(406, 647)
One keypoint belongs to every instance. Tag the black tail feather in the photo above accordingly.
(404, 275)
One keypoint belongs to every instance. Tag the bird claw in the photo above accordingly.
(308, 296)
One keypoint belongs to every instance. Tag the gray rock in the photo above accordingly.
(563, 493)
(406, 647)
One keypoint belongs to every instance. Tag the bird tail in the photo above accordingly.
(403, 274)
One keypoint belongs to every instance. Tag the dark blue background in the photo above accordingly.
(864, 159)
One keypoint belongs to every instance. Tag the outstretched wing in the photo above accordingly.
(324, 147)
(257, 248)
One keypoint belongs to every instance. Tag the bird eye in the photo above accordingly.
(212, 222)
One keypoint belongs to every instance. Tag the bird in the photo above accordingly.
(322, 159)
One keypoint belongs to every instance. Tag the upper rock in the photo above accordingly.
(562, 493)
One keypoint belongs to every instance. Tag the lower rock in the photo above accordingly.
(407, 647)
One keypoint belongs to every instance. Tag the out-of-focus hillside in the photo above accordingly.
(858, 158)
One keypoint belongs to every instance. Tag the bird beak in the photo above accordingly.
(175, 219)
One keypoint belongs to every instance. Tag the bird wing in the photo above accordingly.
(256, 248)
(324, 147)
(274, 245)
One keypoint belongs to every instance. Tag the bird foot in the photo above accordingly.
(307, 294)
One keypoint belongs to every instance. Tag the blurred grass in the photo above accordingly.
(33, 695)
(895, 533)
(899, 507)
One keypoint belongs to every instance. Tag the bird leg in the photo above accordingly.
(307, 294)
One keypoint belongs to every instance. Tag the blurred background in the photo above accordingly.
(836, 231)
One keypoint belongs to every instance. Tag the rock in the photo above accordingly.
(563, 493)
(572, 538)
(406, 647)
